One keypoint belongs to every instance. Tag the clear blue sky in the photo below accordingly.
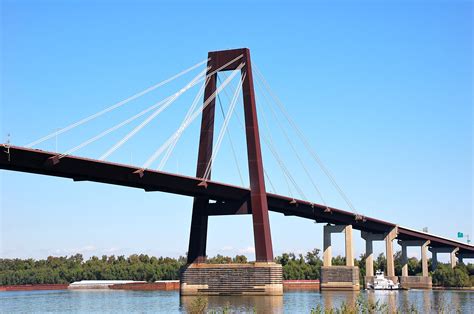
(383, 90)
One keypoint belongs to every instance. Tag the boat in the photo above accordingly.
(382, 283)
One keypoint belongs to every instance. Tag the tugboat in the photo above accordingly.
(381, 283)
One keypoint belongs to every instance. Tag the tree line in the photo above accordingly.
(56, 270)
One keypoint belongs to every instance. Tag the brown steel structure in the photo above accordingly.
(228, 199)
(258, 199)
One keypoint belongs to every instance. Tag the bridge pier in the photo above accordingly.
(339, 277)
(389, 237)
(434, 256)
(369, 253)
(417, 282)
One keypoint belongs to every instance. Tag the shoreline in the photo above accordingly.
(171, 285)
(163, 285)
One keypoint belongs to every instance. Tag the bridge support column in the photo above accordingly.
(369, 253)
(452, 257)
(424, 259)
(404, 260)
(339, 277)
(436, 250)
(415, 282)
(434, 260)
(389, 254)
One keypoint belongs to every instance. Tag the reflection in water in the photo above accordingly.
(423, 301)
(426, 301)
(169, 301)
(332, 299)
(256, 304)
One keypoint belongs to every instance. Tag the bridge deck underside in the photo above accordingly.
(83, 169)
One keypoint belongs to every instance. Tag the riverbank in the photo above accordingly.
(164, 285)
(169, 285)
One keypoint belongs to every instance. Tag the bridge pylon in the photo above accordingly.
(263, 276)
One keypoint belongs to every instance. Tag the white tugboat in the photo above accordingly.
(382, 283)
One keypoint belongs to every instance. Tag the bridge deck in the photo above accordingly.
(84, 169)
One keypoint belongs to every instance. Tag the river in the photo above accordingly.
(113, 301)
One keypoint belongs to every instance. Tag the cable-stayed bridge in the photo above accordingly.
(217, 198)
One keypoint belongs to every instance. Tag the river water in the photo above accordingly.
(113, 301)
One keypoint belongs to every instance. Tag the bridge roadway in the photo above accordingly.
(228, 199)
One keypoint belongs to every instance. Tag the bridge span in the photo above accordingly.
(229, 199)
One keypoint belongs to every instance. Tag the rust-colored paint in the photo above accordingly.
(258, 198)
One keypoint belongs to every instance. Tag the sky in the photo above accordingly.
(383, 91)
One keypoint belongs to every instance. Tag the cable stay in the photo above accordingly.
(306, 143)
(234, 155)
(180, 131)
(269, 143)
(152, 116)
(115, 106)
(272, 187)
(295, 151)
(170, 140)
(116, 127)
(223, 128)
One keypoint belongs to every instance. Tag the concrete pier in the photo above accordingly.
(436, 250)
(415, 282)
(339, 277)
(232, 279)
(390, 236)
(369, 253)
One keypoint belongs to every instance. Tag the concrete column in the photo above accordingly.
(450, 250)
(349, 246)
(369, 250)
(389, 252)
(453, 257)
(404, 260)
(424, 258)
(327, 253)
(434, 260)
(369, 258)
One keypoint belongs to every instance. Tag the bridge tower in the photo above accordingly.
(264, 276)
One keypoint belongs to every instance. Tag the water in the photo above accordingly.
(114, 301)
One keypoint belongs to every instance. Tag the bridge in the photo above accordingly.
(217, 198)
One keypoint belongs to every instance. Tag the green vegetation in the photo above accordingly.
(460, 276)
(143, 267)
(74, 268)
(69, 269)
(365, 305)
